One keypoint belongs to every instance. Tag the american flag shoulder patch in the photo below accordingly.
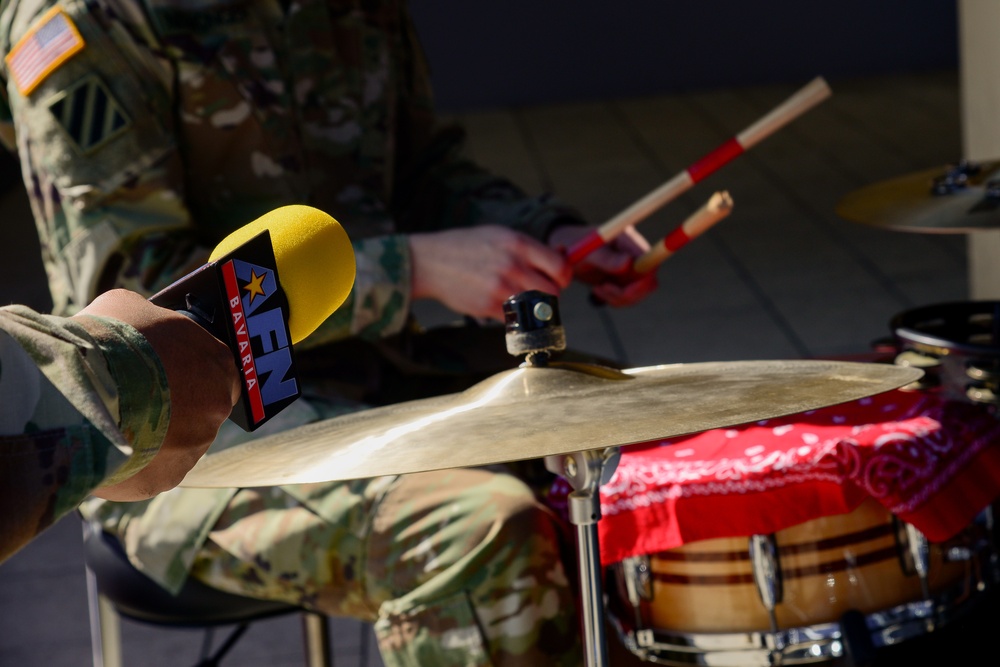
(48, 44)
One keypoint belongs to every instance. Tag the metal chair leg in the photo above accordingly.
(363, 656)
(106, 637)
(316, 629)
(105, 627)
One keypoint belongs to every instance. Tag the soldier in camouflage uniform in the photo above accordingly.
(150, 129)
(87, 407)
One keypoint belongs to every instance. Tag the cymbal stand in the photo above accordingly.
(586, 472)
(534, 328)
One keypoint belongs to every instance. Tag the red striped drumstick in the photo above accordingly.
(716, 208)
(809, 96)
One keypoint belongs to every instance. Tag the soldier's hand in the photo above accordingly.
(608, 271)
(204, 386)
(474, 270)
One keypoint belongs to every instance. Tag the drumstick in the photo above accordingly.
(715, 209)
(809, 96)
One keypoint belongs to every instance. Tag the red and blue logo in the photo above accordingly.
(261, 339)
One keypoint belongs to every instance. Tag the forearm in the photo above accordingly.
(77, 397)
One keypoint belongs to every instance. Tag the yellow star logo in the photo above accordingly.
(254, 287)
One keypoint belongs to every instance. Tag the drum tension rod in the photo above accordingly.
(769, 583)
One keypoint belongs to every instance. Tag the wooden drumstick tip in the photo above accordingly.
(718, 206)
(805, 99)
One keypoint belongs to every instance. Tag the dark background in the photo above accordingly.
(527, 52)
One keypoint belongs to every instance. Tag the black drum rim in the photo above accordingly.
(906, 326)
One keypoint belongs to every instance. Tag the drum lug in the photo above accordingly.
(638, 579)
(766, 572)
(914, 554)
(767, 578)
(920, 551)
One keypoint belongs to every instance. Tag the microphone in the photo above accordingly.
(268, 285)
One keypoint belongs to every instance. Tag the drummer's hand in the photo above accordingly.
(608, 270)
(474, 270)
(204, 385)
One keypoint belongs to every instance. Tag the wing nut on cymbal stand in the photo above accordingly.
(534, 328)
(955, 178)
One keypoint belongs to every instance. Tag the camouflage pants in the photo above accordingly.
(456, 567)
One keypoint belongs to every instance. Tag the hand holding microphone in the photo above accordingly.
(202, 394)
(267, 286)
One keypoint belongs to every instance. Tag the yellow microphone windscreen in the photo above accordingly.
(314, 259)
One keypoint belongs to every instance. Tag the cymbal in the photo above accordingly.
(954, 199)
(531, 412)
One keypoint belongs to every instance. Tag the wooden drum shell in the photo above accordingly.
(828, 566)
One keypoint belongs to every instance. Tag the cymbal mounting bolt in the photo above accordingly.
(543, 311)
(533, 326)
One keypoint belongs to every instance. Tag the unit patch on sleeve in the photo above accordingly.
(48, 44)
(88, 113)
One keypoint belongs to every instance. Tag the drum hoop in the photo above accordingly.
(804, 644)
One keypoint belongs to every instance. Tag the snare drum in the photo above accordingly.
(820, 590)
(838, 585)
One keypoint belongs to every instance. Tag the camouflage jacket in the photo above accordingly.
(83, 407)
(161, 126)
(150, 129)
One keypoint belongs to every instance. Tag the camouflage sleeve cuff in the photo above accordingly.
(143, 404)
(112, 382)
(472, 197)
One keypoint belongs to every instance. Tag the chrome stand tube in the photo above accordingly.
(586, 471)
